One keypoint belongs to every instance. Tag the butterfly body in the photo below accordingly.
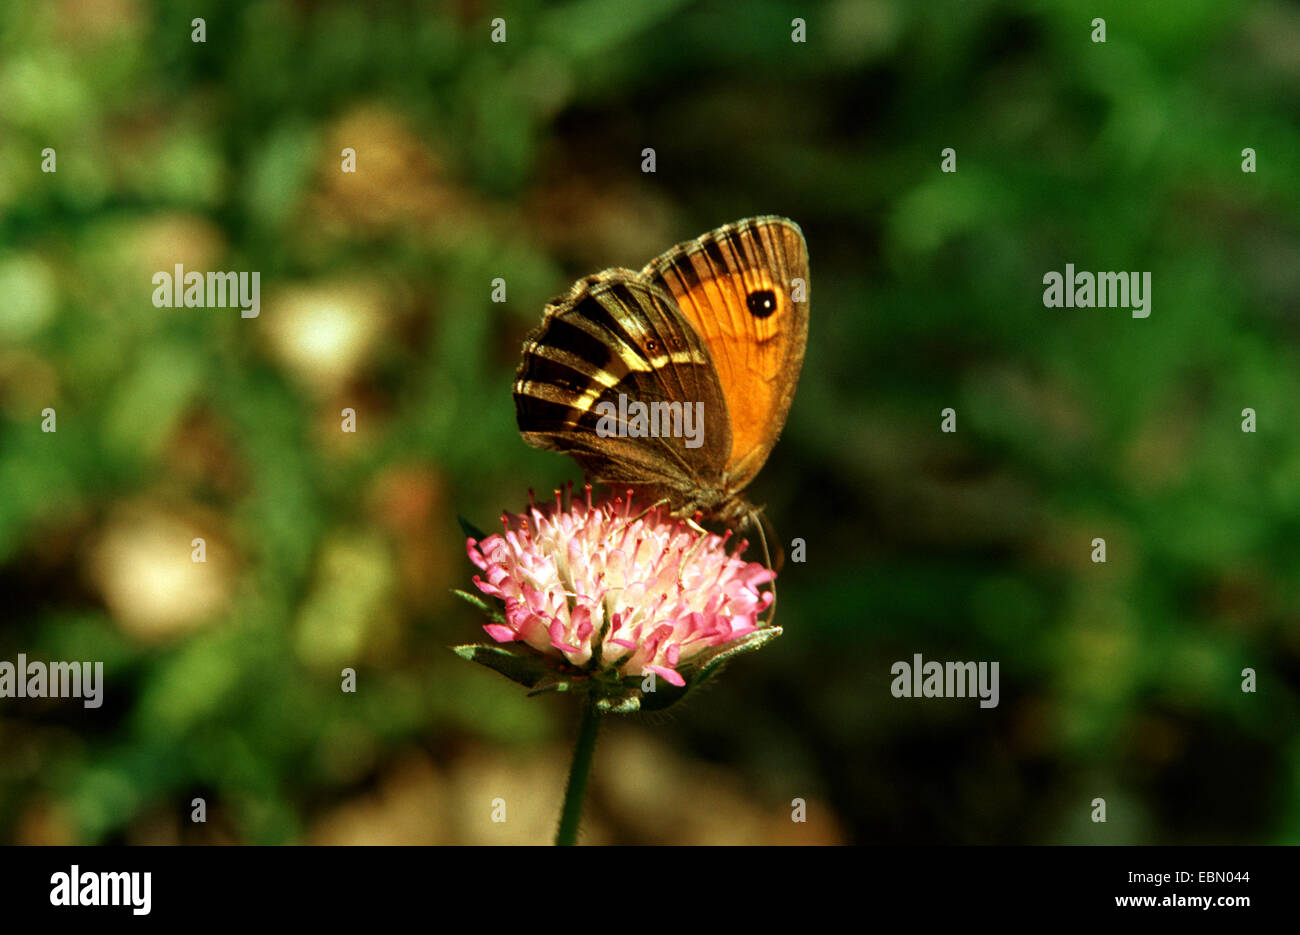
(706, 340)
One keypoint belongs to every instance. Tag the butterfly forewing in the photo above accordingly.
(744, 288)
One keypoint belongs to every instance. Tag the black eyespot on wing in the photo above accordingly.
(761, 302)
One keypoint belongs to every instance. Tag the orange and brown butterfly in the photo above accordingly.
(717, 325)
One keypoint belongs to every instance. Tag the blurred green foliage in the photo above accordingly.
(522, 160)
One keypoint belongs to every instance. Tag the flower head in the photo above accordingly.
(614, 590)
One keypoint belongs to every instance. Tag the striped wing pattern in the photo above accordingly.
(616, 334)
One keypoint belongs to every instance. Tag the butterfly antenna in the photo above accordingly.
(759, 520)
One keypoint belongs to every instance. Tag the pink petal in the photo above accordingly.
(668, 675)
(500, 632)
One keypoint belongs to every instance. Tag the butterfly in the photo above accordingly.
(675, 380)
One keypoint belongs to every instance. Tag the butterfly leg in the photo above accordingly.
(702, 533)
(645, 512)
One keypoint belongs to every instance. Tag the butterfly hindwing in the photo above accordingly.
(616, 335)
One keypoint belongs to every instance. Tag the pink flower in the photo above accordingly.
(639, 591)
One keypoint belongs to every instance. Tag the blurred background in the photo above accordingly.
(522, 160)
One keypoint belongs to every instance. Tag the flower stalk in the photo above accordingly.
(575, 792)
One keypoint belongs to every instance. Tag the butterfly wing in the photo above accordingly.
(744, 288)
(616, 334)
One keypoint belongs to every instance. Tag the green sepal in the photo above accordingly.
(522, 666)
(710, 663)
(614, 695)
(496, 615)
(703, 668)
(552, 682)
(619, 704)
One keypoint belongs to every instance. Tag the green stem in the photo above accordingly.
(576, 791)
